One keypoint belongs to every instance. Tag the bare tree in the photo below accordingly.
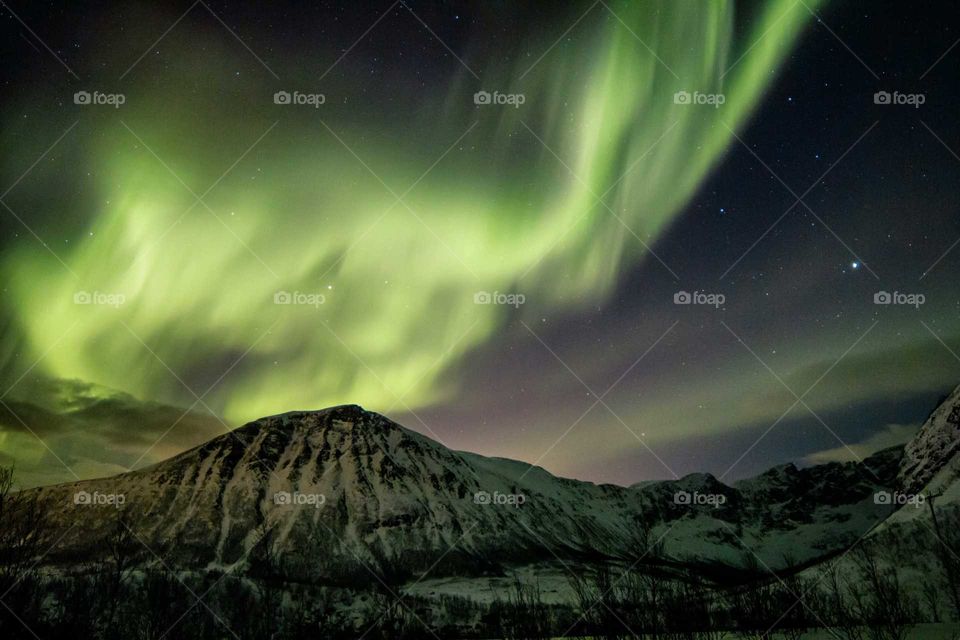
(947, 549)
(931, 597)
(114, 569)
(24, 539)
(24, 530)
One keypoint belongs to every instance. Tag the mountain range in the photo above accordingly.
(331, 496)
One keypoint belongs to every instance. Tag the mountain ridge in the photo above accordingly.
(376, 494)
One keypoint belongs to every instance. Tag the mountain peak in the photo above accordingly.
(344, 412)
(349, 412)
(348, 416)
(344, 417)
(351, 418)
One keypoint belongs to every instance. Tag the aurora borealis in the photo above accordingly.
(397, 200)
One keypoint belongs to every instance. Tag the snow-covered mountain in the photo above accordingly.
(918, 542)
(937, 442)
(929, 480)
(341, 489)
(332, 493)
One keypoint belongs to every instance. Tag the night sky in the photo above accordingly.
(502, 277)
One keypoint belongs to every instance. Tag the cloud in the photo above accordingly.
(891, 435)
(59, 430)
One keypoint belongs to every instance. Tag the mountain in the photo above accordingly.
(937, 442)
(929, 477)
(334, 494)
(919, 542)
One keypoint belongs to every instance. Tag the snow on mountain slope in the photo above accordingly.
(382, 495)
(782, 517)
(934, 445)
(907, 539)
(930, 470)
(338, 491)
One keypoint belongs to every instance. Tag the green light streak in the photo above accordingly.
(401, 309)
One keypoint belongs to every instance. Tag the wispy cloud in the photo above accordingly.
(93, 430)
(889, 436)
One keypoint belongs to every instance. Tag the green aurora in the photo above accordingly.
(500, 213)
